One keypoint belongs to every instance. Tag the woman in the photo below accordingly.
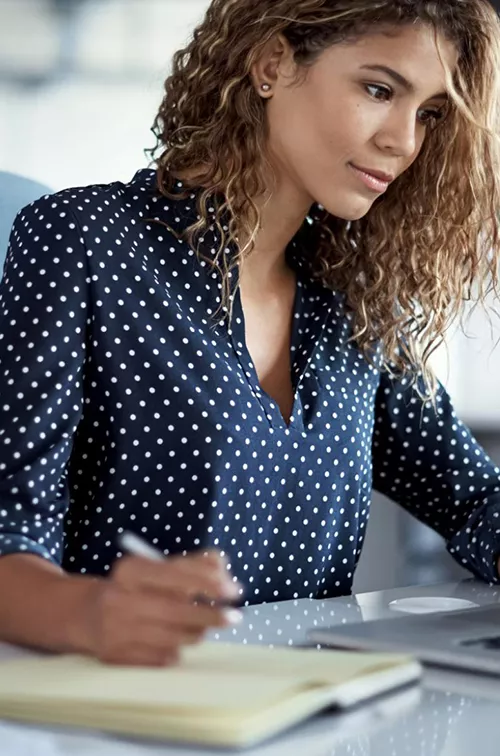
(227, 353)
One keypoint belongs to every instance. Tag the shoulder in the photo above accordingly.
(85, 206)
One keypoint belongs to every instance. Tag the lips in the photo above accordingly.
(380, 175)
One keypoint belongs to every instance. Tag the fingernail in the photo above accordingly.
(233, 616)
(231, 590)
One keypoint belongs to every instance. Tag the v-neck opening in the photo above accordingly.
(250, 371)
(307, 326)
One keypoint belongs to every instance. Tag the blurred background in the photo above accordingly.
(80, 83)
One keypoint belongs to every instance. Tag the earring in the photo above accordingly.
(265, 87)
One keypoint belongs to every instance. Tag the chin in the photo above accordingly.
(348, 211)
(349, 214)
(354, 216)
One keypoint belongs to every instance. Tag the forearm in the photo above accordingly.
(41, 606)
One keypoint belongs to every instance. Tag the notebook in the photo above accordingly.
(219, 694)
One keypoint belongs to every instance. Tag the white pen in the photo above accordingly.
(137, 546)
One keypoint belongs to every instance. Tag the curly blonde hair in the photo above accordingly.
(425, 247)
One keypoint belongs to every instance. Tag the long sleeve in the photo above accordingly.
(43, 318)
(430, 463)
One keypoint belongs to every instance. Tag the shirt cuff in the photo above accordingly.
(476, 546)
(13, 543)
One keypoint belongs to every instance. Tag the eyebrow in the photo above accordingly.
(400, 79)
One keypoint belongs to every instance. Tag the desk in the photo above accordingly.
(454, 714)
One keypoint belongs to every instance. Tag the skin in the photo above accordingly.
(336, 114)
(144, 612)
(345, 119)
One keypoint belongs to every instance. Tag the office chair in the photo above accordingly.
(15, 193)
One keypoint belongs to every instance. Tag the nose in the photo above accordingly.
(399, 134)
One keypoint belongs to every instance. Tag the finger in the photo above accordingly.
(221, 563)
(216, 570)
(212, 560)
(211, 556)
(192, 618)
(167, 638)
(212, 563)
(169, 577)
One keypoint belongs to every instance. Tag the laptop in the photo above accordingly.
(468, 639)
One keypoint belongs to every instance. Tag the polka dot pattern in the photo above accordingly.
(430, 463)
(126, 405)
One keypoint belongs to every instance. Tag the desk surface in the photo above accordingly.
(453, 714)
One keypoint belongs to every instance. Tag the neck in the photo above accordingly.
(282, 214)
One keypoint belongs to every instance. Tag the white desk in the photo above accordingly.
(453, 715)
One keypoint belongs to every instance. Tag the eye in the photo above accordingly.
(431, 117)
(379, 92)
(427, 116)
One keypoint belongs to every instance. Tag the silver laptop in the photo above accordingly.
(466, 639)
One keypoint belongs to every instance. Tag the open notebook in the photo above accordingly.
(219, 694)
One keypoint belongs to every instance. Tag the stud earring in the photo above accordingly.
(265, 87)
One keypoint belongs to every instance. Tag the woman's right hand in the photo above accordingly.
(146, 611)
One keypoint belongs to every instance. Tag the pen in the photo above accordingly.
(137, 546)
(133, 544)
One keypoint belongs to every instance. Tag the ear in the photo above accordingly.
(275, 64)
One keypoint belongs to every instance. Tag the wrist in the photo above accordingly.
(78, 595)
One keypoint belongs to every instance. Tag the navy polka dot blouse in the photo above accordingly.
(125, 404)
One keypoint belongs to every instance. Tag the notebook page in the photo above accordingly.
(329, 667)
(210, 676)
(78, 679)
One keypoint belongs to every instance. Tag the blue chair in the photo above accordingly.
(15, 193)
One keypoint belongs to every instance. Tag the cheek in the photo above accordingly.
(419, 146)
(293, 129)
(312, 132)
(343, 131)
